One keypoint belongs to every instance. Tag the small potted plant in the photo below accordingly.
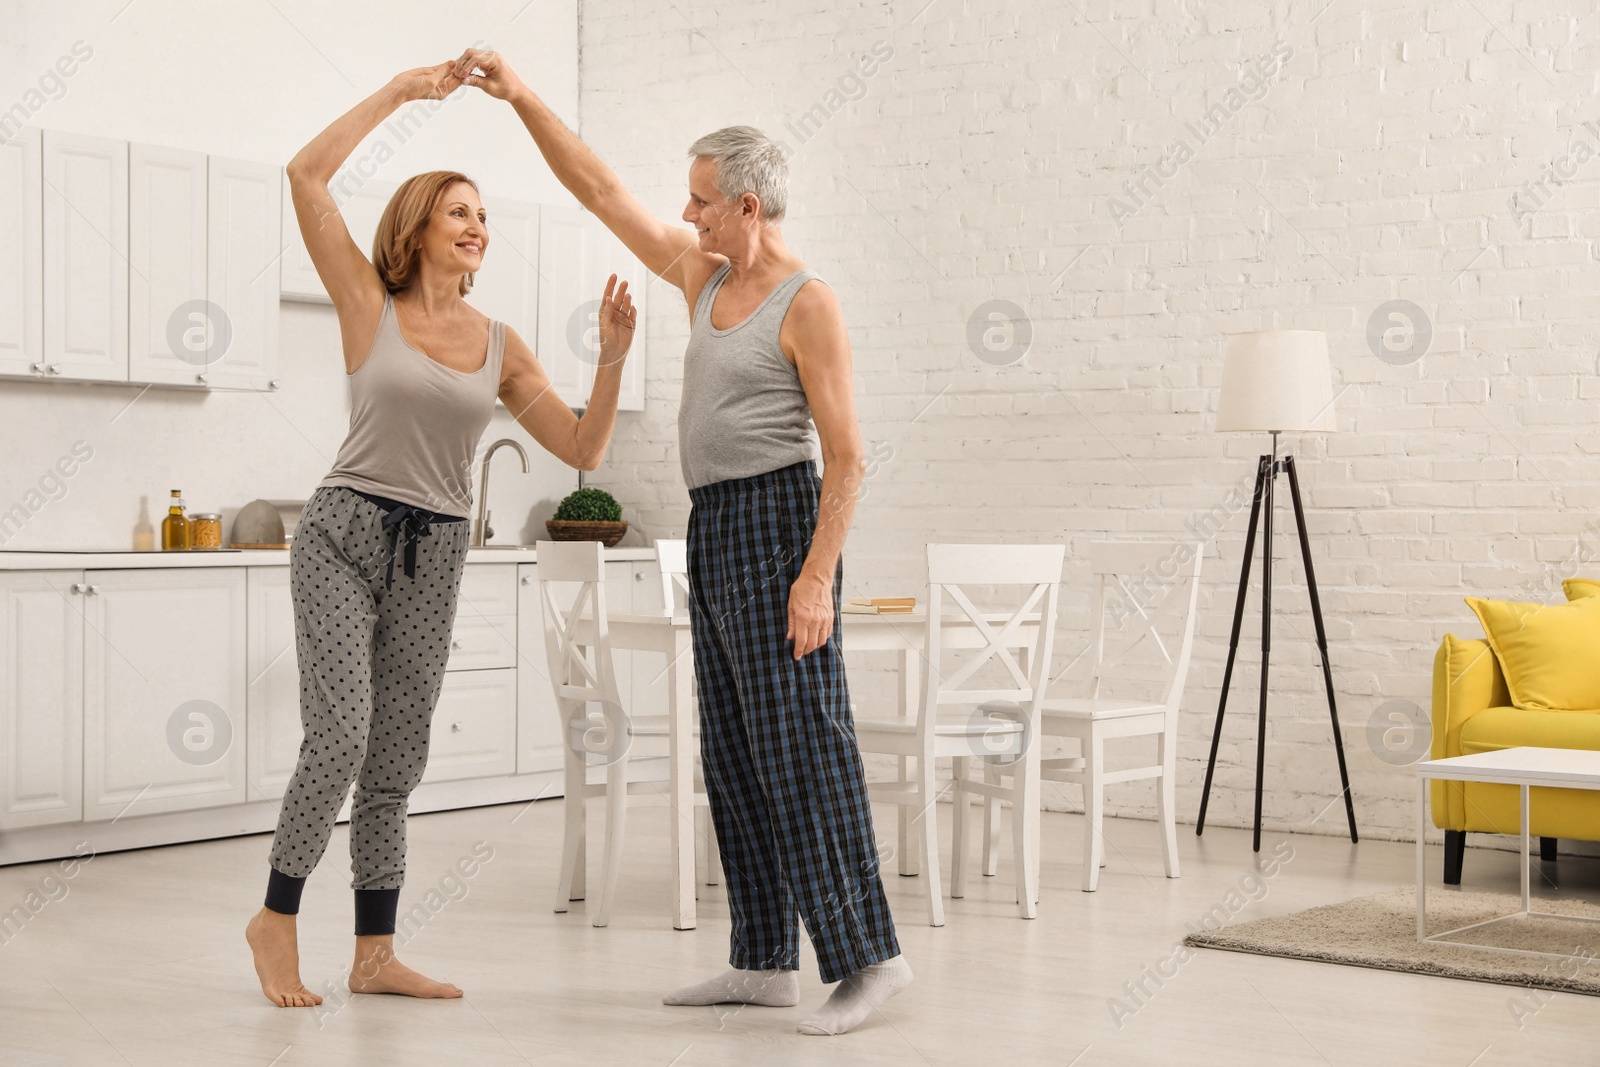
(588, 515)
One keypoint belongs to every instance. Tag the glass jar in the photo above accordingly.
(205, 530)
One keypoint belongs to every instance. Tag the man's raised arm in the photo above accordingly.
(660, 247)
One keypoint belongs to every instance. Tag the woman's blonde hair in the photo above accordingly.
(396, 246)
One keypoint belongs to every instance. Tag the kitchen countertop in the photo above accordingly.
(265, 557)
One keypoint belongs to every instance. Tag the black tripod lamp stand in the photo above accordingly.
(1275, 381)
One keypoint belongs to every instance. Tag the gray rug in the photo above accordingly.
(1381, 931)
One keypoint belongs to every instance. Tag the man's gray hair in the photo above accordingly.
(748, 161)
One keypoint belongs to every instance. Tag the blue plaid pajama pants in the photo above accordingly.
(783, 773)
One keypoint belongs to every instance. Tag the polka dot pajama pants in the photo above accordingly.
(371, 663)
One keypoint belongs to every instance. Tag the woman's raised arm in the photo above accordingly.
(346, 272)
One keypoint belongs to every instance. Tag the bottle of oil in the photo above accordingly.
(144, 533)
(175, 527)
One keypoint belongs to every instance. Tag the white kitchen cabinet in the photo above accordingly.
(164, 690)
(244, 207)
(169, 332)
(137, 263)
(610, 256)
(475, 722)
(485, 632)
(562, 290)
(474, 726)
(21, 254)
(272, 670)
(85, 257)
(507, 288)
(577, 255)
(41, 698)
(361, 205)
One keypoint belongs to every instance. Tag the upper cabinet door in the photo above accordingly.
(361, 206)
(85, 257)
(21, 256)
(244, 227)
(297, 278)
(609, 256)
(170, 333)
(564, 285)
(507, 288)
(576, 256)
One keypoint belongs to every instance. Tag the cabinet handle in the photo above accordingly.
(455, 728)
(55, 368)
(201, 378)
(79, 587)
(455, 644)
(37, 368)
(527, 579)
(94, 590)
(638, 576)
(273, 384)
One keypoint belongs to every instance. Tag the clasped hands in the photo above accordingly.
(480, 68)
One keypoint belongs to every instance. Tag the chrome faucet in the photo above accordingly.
(481, 530)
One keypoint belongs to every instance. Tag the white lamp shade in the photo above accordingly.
(1276, 381)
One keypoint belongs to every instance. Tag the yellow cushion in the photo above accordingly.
(1579, 588)
(1497, 809)
(1547, 651)
(1496, 728)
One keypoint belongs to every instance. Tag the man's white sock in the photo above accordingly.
(855, 998)
(774, 989)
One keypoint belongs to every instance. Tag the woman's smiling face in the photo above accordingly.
(457, 234)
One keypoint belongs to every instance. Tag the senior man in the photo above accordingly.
(767, 391)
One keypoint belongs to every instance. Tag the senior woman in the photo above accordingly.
(424, 368)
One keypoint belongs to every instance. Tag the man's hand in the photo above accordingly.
(810, 613)
(488, 71)
(618, 318)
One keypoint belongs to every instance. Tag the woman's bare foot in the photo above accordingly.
(377, 971)
(276, 949)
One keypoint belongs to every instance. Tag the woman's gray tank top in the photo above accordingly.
(415, 423)
(743, 411)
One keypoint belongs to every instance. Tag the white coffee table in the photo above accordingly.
(1557, 768)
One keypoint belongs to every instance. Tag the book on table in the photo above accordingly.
(880, 605)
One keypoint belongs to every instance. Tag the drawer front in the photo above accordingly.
(488, 589)
(474, 727)
(481, 642)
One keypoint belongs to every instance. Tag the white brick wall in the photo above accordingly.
(980, 162)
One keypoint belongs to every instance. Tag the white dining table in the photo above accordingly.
(904, 633)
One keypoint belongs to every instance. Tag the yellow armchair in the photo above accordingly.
(1472, 712)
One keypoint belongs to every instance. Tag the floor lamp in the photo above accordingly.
(1275, 381)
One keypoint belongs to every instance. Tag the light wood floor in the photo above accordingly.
(143, 961)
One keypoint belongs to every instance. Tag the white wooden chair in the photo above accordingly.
(1016, 644)
(672, 560)
(1150, 590)
(596, 728)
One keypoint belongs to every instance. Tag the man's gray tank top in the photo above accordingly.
(415, 423)
(743, 411)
